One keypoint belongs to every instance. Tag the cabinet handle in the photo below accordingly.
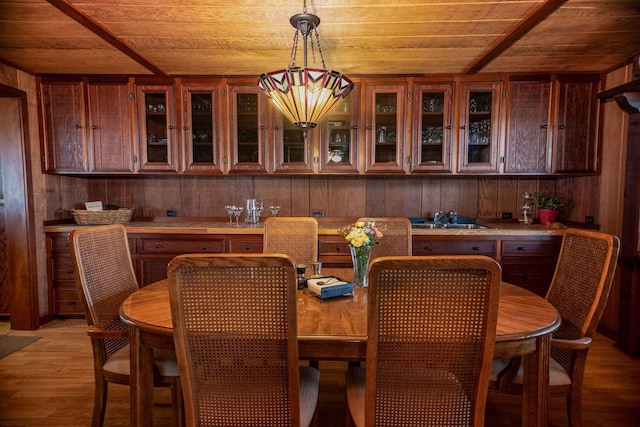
(69, 271)
(205, 247)
(185, 128)
(277, 128)
(171, 127)
(463, 127)
(428, 248)
(561, 127)
(449, 127)
(521, 248)
(475, 248)
(521, 275)
(71, 303)
(77, 126)
(369, 127)
(354, 127)
(247, 247)
(158, 245)
(545, 126)
(262, 127)
(94, 127)
(337, 248)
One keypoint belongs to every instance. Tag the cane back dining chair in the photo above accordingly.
(235, 333)
(396, 239)
(104, 279)
(431, 332)
(296, 237)
(579, 291)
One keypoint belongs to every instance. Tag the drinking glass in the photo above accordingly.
(230, 209)
(274, 209)
(237, 211)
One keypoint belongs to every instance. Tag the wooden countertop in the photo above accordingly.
(325, 228)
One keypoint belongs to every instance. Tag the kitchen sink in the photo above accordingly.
(447, 226)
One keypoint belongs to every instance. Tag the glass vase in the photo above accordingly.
(360, 257)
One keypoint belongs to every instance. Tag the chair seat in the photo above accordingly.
(440, 386)
(164, 363)
(557, 374)
(308, 387)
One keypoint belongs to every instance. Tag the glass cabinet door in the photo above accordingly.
(201, 128)
(248, 133)
(432, 136)
(339, 131)
(292, 148)
(385, 127)
(480, 126)
(158, 132)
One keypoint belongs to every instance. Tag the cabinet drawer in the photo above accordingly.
(181, 246)
(531, 248)
(62, 268)
(245, 246)
(67, 302)
(535, 277)
(482, 247)
(60, 243)
(333, 248)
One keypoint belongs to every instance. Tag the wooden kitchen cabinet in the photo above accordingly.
(339, 133)
(111, 132)
(576, 124)
(530, 263)
(292, 148)
(64, 126)
(64, 299)
(249, 128)
(333, 251)
(528, 122)
(201, 136)
(385, 121)
(479, 134)
(432, 127)
(454, 245)
(158, 130)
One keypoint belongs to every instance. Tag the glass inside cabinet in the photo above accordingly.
(156, 123)
(478, 130)
(386, 124)
(432, 129)
(202, 131)
(293, 146)
(338, 136)
(248, 122)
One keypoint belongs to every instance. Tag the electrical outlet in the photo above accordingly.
(317, 214)
(505, 215)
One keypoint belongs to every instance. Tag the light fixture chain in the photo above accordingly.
(315, 31)
(294, 49)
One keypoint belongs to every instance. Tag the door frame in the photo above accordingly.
(19, 210)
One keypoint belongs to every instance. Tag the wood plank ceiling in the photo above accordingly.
(358, 37)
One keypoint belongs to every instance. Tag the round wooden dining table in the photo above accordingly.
(336, 329)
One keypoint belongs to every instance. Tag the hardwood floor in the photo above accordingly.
(50, 383)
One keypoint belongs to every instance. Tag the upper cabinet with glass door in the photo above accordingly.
(385, 121)
(292, 147)
(479, 133)
(201, 128)
(247, 128)
(433, 115)
(158, 128)
(339, 131)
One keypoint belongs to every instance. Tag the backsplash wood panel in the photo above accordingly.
(335, 196)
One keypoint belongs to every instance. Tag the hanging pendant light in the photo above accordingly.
(305, 95)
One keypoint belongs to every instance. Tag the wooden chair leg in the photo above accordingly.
(177, 403)
(574, 408)
(99, 401)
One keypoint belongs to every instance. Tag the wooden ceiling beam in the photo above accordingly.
(104, 34)
(535, 17)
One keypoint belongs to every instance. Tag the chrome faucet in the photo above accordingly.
(452, 216)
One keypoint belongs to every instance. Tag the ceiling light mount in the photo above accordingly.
(305, 95)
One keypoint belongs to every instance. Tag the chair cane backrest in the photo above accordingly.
(104, 277)
(296, 237)
(235, 331)
(431, 332)
(580, 286)
(396, 239)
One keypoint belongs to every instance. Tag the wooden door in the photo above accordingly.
(528, 136)
(110, 127)
(64, 126)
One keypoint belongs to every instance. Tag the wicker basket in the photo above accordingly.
(119, 216)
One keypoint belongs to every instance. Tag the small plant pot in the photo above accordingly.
(547, 216)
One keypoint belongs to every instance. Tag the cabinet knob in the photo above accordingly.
(205, 247)
(94, 127)
(158, 245)
(171, 127)
(521, 275)
(545, 126)
(337, 248)
(449, 127)
(185, 128)
(247, 247)
(71, 303)
(520, 248)
(354, 127)
(69, 271)
(463, 127)
(561, 127)
(428, 248)
(369, 127)
(262, 127)
(475, 248)
(77, 126)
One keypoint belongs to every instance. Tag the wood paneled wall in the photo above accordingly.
(344, 196)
